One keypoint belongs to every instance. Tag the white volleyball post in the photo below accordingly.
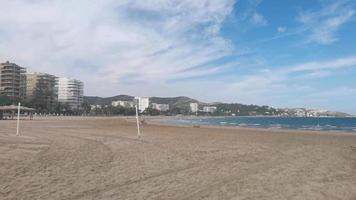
(18, 118)
(138, 123)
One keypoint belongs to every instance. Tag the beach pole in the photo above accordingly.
(138, 123)
(18, 118)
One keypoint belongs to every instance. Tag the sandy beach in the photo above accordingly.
(101, 158)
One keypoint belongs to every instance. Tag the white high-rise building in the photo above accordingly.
(70, 91)
(193, 107)
(143, 103)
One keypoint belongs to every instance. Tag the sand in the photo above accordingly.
(101, 158)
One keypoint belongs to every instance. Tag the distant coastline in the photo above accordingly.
(181, 105)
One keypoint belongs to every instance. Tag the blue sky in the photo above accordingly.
(283, 53)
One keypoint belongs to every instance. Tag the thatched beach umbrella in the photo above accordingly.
(13, 109)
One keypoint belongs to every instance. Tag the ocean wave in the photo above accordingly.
(316, 124)
(275, 126)
(316, 128)
(330, 126)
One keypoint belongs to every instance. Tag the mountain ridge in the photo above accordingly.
(182, 102)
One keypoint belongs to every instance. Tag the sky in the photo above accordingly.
(282, 53)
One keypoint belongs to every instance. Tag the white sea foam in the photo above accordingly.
(315, 128)
(275, 126)
(289, 124)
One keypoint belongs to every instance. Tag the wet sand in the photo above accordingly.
(101, 158)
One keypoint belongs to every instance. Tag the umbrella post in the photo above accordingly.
(18, 119)
(138, 123)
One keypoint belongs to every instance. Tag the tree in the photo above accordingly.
(5, 101)
(43, 99)
(152, 112)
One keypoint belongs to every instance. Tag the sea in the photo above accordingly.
(347, 124)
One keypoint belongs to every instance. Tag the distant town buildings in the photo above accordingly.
(12, 81)
(143, 103)
(193, 107)
(70, 91)
(42, 89)
(126, 104)
(160, 107)
(209, 109)
(304, 112)
(92, 107)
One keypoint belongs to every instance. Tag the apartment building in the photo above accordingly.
(41, 89)
(70, 91)
(12, 81)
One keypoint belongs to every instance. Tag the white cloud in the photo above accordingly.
(281, 29)
(112, 44)
(288, 85)
(258, 19)
(324, 24)
(324, 65)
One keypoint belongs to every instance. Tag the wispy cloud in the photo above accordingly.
(321, 25)
(281, 29)
(178, 47)
(144, 41)
(324, 23)
(278, 84)
(287, 73)
(258, 19)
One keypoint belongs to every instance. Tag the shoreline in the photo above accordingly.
(254, 129)
(160, 121)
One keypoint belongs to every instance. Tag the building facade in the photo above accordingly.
(193, 107)
(143, 103)
(41, 90)
(70, 92)
(209, 109)
(126, 104)
(12, 81)
(160, 107)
